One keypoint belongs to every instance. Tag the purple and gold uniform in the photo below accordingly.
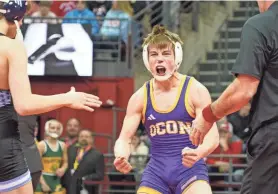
(168, 132)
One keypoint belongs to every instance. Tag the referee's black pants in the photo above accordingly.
(261, 175)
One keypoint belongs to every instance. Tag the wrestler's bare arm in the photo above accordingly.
(237, 95)
(25, 102)
(200, 98)
(130, 125)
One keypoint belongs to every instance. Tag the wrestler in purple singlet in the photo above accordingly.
(167, 131)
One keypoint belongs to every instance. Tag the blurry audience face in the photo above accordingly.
(135, 141)
(223, 127)
(73, 127)
(224, 133)
(85, 138)
(81, 5)
(244, 111)
(45, 8)
(123, 6)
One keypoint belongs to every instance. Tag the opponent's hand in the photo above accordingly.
(60, 172)
(122, 165)
(200, 127)
(45, 188)
(190, 157)
(81, 100)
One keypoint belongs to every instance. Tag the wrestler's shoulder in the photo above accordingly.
(193, 80)
(138, 96)
(195, 84)
(11, 45)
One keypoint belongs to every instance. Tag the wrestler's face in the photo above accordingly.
(161, 59)
(54, 129)
(73, 127)
(12, 29)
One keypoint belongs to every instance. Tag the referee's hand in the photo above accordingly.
(200, 128)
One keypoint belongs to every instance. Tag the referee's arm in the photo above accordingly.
(248, 69)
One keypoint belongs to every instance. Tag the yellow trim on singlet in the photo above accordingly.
(188, 108)
(186, 189)
(176, 101)
(145, 103)
(147, 190)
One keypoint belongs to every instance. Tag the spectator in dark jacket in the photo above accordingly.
(84, 163)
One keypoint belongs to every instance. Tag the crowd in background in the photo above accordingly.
(108, 19)
(83, 160)
(233, 132)
(111, 19)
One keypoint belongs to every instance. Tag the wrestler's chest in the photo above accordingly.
(165, 100)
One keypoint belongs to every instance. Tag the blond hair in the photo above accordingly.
(123, 6)
(161, 37)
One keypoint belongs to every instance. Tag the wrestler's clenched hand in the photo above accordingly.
(122, 165)
(190, 157)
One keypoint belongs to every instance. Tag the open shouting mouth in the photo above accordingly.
(160, 70)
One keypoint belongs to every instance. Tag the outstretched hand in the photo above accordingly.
(82, 101)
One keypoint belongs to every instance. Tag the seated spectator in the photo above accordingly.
(117, 20)
(82, 15)
(61, 8)
(229, 144)
(99, 7)
(239, 120)
(44, 12)
(33, 6)
(139, 154)
(85, 163)
(138, 158)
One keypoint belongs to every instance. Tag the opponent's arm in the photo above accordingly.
(200, 98)
(237, 95)
(25, 102)
(131, 122)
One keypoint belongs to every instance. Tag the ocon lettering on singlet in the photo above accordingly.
(170, 127)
